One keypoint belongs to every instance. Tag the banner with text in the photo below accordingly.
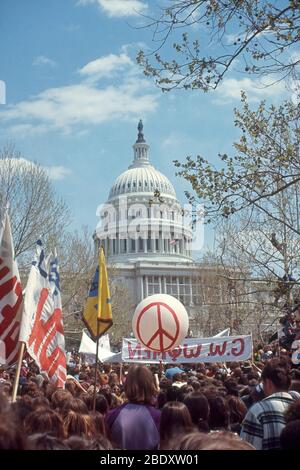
(215, 349)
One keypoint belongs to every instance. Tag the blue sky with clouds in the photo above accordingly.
(74, 95)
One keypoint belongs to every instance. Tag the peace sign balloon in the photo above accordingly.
(160, 322)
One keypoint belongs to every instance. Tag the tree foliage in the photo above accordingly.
(260, 35)
(35, 209)
(266, 163)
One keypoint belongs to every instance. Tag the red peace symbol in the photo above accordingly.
(160, 332)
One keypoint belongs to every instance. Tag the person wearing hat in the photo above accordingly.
(172, 371)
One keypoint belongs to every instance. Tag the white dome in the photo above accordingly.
(141, 177)
(161, 230)
(144, 179)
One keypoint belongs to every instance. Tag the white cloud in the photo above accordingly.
(105, 66)
(119, 8)
(16, 163)
(57, 173)
(43, 60)
(230, 90)
(20, 130)
(74, 108)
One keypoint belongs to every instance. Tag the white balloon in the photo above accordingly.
(160, 322)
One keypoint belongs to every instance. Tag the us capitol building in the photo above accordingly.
(144, 234)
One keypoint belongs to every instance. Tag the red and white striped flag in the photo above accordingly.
(10, 295)
(42, 327)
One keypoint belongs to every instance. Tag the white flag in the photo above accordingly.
(88, 346)
(223, 333)
(42, 328)
(10, 295)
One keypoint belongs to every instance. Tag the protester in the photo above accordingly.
(223, 440)
(147, 413)
(290, 436)
(198, 406)
(175, 420)
(135, 424)
(237, 412)
(265, 420)
(219, 411)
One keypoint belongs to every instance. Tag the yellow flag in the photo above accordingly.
(97, 314)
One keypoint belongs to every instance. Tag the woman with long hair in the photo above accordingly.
(135, 424)
(175, 420)
(198, 406)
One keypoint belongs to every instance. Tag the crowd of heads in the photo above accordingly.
(202, 405)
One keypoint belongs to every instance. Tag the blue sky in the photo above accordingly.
(74, 95)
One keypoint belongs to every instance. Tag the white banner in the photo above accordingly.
(88, 346)
(42, 325)
(215, 349)
(10, 295)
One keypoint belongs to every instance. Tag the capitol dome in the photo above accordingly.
(141, 177)
(142, 219)
(146, 234)
(144, 179)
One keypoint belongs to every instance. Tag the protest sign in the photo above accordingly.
(214, 349)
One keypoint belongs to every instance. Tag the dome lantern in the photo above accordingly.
(141, 177)
(140, 149)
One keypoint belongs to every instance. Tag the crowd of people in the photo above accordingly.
(236, 406)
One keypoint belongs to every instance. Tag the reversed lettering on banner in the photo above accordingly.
(215, 349)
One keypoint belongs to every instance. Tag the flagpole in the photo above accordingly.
(160, 368)
(18, 370)
(98, 328)
(121, 370)
(96, 365)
